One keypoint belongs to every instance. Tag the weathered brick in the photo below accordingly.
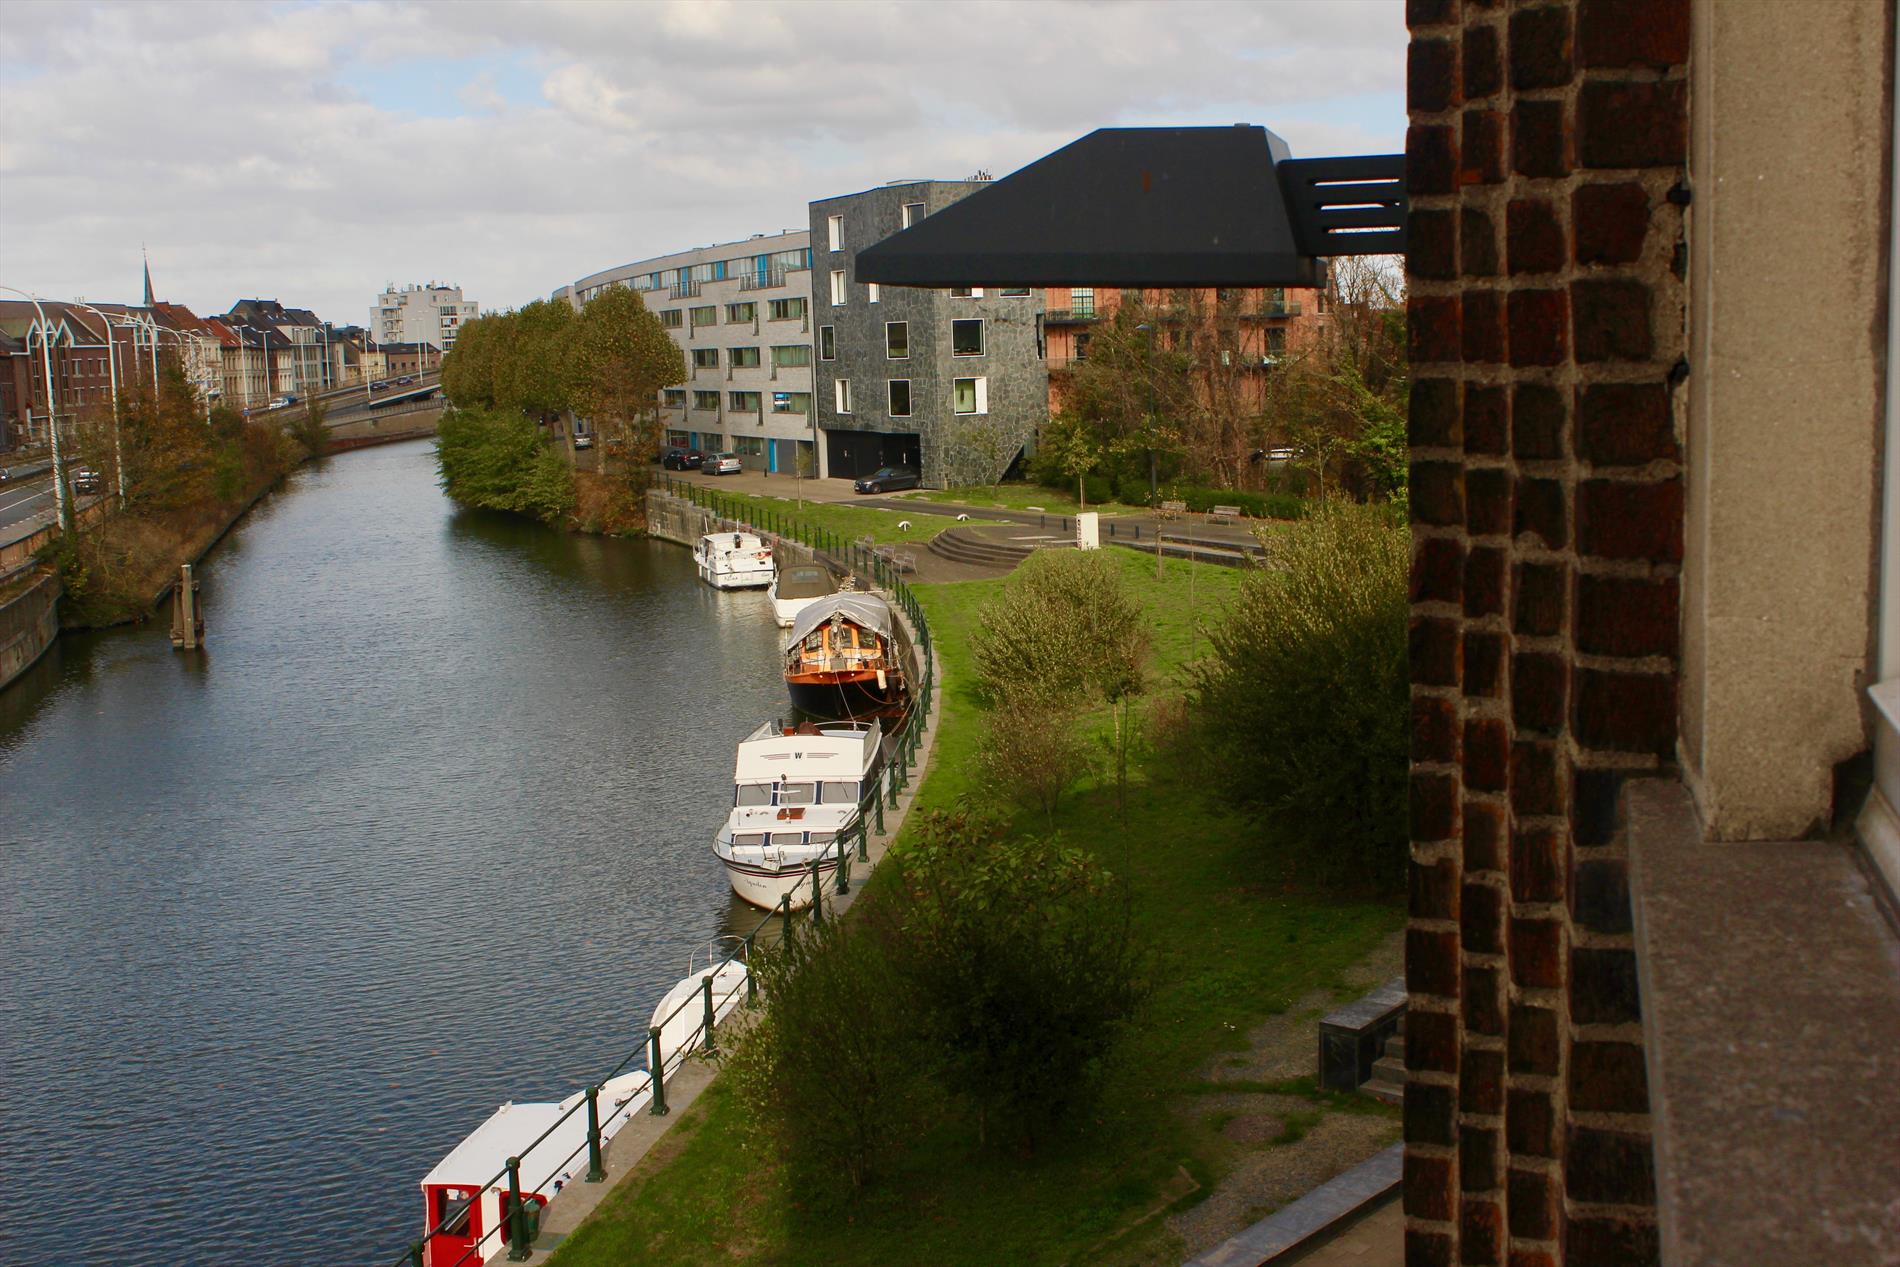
(1609, 223)
(1481, 919)
(1483, 327)
(1627, 616)
(1428, 1185)
(1483, 837)
(1431, 328)
(1522, 1257)
(1537, 421)
(1435, 728)
(1529, 1123)
(1434, 420)
(1433, 651)
(1431, 1041)
(1480, 147)
(1487, 755)
(1430, 12)
(1480, 1081)
(1594, 795)
(1603, 988)
(1533, 1044)
(1541, 510)
(1608, 1078)
(1483, 1002)
(1437, 490)
(1427, 1248)
(1610, 320)
(1480, 1233)
(1630, 33)
(1484, 420)
(1536, 787)
(1431, 76)
(1538, 858)
(1484, 664)
(1626, 424)
(1484, 582)
(1431, 164)
(1434, 890)
(1626, 712)
(1537, 954)
(1477, 243)
(1600, 896)
(1604, 1238)
(1542, 592)
(1483, 68)
(1431, 962)
(1610, 1167)
(1431, 247)
(1540, 141)
(1429, 1114)
(1619, 519)
(1478, 1157)
(1622, 123)
(1540, 48)
(1533, 238)
(1540, 692)
(1434, 806)
(1438, 571)
(1532, 1198)
(1539, 321)
(1488, 501)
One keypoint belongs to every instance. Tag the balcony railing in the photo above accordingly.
(686, 290)
(1068, 316)
(774, 278)
(1271, 309)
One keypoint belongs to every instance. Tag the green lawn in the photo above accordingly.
(851, 523)
(1020, 497)
(1234, 939)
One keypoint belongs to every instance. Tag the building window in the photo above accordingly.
(706, 401)
(970, 396)
(705, 358)
(966, 337)
(786, 309)
(712, 441)
(1082, 301)
(834, 225)
(1015, 292)
(675, 439)
(1276, 341)
(791, 402)
(827, 343)
(742, 358)
(670, 318)
(966, 292)
(842, 390)
(705, 316)
(1082, 346)
(837, 286)
(900, 397)
(742, 402)
(870, 292)
(897, 340)
(913, 212)
(748, 446)
(791, 354)
(741, 312)
(674, 397)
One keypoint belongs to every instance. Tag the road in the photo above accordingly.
(24, 497)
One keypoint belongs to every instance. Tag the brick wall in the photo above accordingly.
(1546, 316)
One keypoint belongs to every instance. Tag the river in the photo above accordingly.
(425, 828)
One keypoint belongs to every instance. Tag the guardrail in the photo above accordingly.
(518, 1225)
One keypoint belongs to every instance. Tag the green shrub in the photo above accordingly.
(1099, 489)
(1304, 700)
(1032, 754)
(1131, 490)
(499, 461)
(1065, 628)
(1271, 505)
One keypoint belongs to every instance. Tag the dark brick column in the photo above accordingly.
(1546, 316)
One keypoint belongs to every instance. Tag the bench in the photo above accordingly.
(902, 560)
(1224, 514)
(1171, 510)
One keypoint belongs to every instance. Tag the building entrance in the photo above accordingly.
(854, 454)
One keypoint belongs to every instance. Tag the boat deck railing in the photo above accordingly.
(517, 1227)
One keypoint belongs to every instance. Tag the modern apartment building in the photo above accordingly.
(741, 311)
(951, 383)
(420, 314)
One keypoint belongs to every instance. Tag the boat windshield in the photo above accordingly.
(752, 794)
(798, 794)
(804, 582)
(841, 793)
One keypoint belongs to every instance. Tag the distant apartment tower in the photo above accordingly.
(421, 314)
(950, 382)
(741, 311)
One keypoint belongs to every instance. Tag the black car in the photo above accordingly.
(886, 479)
(683, 460)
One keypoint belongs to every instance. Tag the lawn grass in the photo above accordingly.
(847, 522)
(1233, 938)
(1020, 497)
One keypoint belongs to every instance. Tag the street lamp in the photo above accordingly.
(112, 364)
(45, 328)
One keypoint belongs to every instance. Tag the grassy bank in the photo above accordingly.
(843, 520)
(1236, 938)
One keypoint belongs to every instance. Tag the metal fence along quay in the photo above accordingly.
(520, 1216)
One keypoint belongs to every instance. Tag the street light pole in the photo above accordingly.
(1154, 488)
(112, 364)
(52, 407)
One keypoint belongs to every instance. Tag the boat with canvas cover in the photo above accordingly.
(796, 587)
(842, 659)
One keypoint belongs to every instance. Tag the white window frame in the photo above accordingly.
(841, 393)
(966, 292)
(831, 355)
(982, 337)
(834, 228)
(837, 288)
(908, 219)
(887, 340)
(870, 292)
(982, 394)
(890, 407)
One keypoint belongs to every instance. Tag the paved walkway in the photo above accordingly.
(1378, 1240)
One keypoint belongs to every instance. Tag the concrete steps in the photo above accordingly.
(1387, 1082)
(967, 545)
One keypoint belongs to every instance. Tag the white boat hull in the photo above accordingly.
(785, 610)
(724, 579)
(765, 886)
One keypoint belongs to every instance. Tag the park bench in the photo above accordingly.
(1171, 510)
(1224, 514)
(902, 560)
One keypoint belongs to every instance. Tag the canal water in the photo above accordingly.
(426, 828)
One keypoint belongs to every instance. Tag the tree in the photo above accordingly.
(1064, 630)
(1075, 450)
(622, 358)
(804, 466)
(1032, 753)
(469, 368)
(534, 369)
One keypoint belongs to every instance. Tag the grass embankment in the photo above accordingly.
(1235, 938)
(1025, 497)
(845, 521)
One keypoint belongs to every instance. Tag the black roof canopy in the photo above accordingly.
(1156, 207)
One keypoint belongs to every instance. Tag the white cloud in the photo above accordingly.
(283, 150)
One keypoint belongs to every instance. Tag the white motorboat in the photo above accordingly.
(796, 788)
(681, 1015)
(734, 560)
(796, 587)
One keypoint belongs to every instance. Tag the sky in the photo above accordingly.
(313, 151)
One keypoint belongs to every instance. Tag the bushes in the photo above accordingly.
(1032, 754)
(1065, 628)
(1259, 505)
(1302, 707)
(498, 461)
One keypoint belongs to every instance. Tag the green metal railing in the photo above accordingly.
(521, 1217)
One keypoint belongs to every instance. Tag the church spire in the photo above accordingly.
(148, 277)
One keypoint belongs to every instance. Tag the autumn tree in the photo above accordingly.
(622, 358)
(534, 366)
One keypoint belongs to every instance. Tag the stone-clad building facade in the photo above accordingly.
(950, 383)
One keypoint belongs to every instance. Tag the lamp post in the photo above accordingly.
(52, 409)
(112, 364)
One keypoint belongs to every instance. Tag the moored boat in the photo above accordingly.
(797, 586)
(796, 790)
(734, 560)
(842, 658)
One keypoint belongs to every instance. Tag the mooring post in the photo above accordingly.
(517, 1216)
(596, 1168)
(751, 980)
(844, 869)
(710, 1046)
(817, 895)
(656, 1074)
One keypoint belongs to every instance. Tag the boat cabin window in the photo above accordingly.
(798, 794)
(753, 794)
(840, 793)
(815, 640)
(748, 838)
(451, 1211)
(823, 837)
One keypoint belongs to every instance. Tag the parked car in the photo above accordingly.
(405, 380)
(86, 480)
(886, 479)
(278, 402)
(583, 439)
(683, 460)
(723, 464)
(379, 385)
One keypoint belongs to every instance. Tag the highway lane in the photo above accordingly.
(22, 499)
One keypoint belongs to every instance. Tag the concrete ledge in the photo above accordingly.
(1771, 1020)
(1314, 1216)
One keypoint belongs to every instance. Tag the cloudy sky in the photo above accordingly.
(312, 152)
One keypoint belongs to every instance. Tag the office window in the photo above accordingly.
(842, 390)
(837, 286)
(786, 309)
(835, 227)
(827, 343)
(705, 316)
(742, 358)
(913, 212)
(706, 400)
(900, 397)
(705, 358)
(966, 337)
(897, 340)
(670, 318)
(791, 402)
(741, 312)
(742, 402)
(966, 292)
(970, 396)
(870, 292)
(788, 354)
(674, 397)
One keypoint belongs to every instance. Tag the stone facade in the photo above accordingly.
(947, 445)
(1546, 154)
